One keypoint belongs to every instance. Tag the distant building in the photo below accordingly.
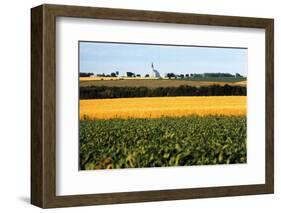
(154, 73)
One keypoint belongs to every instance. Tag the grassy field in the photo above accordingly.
(182, 141)
(162, 106)
(154, 83)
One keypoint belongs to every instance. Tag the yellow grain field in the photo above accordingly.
(156, 107)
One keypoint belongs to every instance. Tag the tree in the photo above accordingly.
(93, 92)
(101, 75)
(170, 75)
(237, 75)
(181, 76)
(85, 74)
(138, 75)
(113, 74)
(197, 75)
(130, 74)
(146, 75)
(218, 74)
(187, 75)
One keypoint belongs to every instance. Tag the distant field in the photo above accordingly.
(241, 83)
(154, 83)
(162, 107)
(219, 79)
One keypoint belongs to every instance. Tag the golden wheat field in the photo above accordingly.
(156, 107)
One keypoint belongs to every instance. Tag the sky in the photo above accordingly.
(100, 57)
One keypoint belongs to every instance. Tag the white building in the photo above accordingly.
(154, 73)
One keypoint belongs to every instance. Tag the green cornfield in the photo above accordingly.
(162, 142)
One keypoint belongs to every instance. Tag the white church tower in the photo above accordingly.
(154, 73)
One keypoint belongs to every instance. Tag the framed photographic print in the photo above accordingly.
(135, 106)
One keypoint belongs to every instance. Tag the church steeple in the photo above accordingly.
(154, 73)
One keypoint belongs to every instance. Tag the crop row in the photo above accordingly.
(182, 141)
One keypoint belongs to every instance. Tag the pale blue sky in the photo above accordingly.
(137, 58)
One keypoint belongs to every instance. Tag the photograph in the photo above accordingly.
(161, 105)
(140, 105)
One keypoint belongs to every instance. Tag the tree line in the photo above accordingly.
(168, 75)
(85, 74)
(204, 75)
(100, 92)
